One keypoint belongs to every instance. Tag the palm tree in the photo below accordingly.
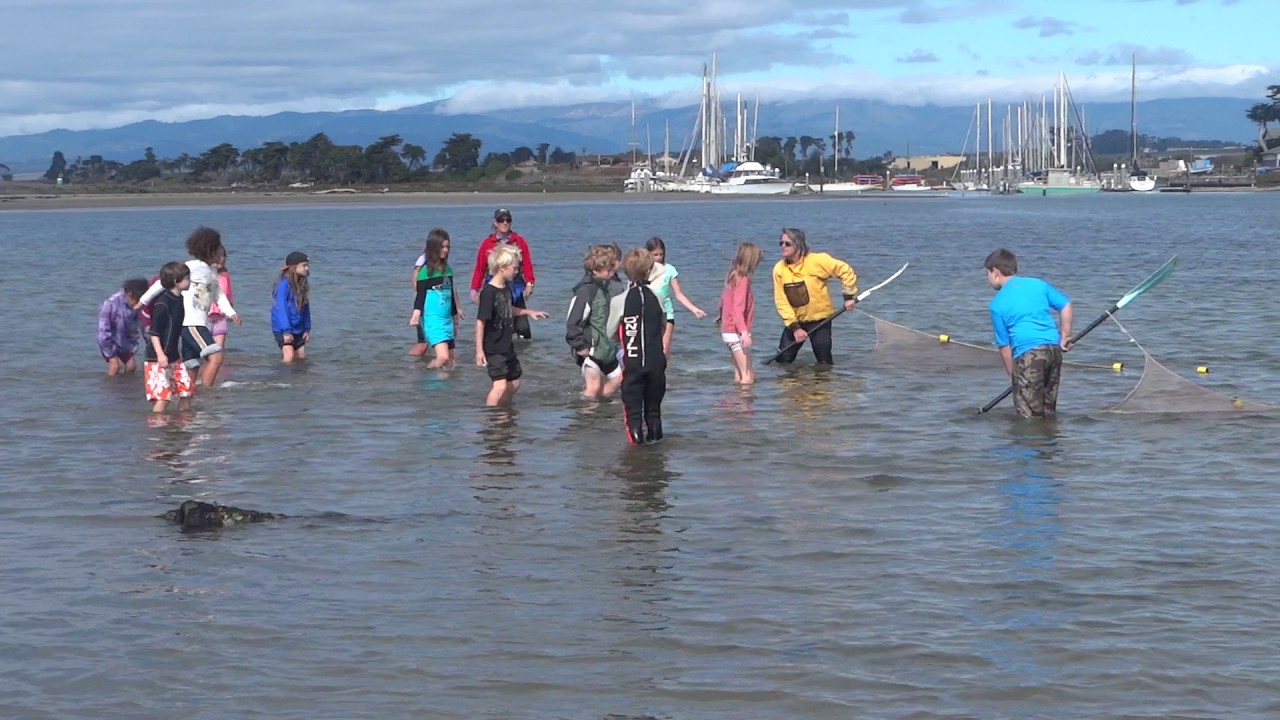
(806, 142)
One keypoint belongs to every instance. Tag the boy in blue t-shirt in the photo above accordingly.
(1031, 342)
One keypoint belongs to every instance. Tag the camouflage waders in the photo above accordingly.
(1035, 381)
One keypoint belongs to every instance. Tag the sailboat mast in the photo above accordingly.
(1133, 113)
(991, 155)
(633, 142)
(666, 147)
(977, 150)
(717, 122)
(755, 127)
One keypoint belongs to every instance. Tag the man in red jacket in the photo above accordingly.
(522, 286)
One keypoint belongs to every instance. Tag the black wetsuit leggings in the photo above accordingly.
(642, 393)
(819, 338)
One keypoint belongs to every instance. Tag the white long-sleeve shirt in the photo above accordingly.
(197, 299)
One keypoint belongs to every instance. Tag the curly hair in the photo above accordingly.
(205, 244)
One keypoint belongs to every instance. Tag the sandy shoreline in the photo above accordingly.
(72, 201)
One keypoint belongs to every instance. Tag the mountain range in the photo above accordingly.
(606, 127)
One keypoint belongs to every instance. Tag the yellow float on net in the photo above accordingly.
(1237, 402)
(944, 338)
(1202, 369)
(1117, 366)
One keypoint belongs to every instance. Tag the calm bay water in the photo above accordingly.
(852, 543)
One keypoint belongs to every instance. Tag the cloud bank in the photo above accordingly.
(100, 63)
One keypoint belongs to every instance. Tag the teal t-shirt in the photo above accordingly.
(662, 288)
(438, 303)
(1021, 317)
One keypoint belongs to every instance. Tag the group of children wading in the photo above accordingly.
(184, 312)
(619, 331)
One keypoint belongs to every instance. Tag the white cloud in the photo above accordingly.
(952, 89)
(100, 63)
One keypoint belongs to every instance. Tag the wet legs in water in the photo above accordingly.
(819, 338)
(642, 395)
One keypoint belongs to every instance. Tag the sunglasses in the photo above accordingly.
(504, 220)
(785, 243)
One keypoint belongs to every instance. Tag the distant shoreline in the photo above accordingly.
(106, 201)
(109, 201)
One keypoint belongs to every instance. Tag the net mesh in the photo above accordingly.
(1159, 389)
(939, 351)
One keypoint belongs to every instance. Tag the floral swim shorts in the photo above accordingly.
(163, 383)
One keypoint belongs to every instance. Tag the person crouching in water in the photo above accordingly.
(291, 308)
(638, 320)
(119, 327)
(1031, 343)
(800, 294)
(586, 328)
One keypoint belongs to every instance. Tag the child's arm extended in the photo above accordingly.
(686, 302)
(222, 301)
(535, 314)
(480, 358)
(151, 294)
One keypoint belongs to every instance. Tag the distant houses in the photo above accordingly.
(927, 162)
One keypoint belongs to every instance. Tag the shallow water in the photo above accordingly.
(828, 544)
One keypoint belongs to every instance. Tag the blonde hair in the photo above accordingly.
(745, 262)
(637, 265)
(502, 256)
(599, 257)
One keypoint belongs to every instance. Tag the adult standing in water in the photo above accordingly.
(800, 292)
(522, 285)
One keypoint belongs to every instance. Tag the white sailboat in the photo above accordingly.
(1139, 180)
(742, 175)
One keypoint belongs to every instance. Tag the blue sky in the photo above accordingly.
(120, 61)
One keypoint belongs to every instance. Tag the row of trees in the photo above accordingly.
(1117, 142)
(392, 160)
(318, 160)
(808, 154)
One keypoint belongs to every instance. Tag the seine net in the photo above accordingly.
(1159, 390)
(938, 352)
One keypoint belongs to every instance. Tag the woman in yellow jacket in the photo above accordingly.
(800, 292)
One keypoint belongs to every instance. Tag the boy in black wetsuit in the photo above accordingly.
(637, 319)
